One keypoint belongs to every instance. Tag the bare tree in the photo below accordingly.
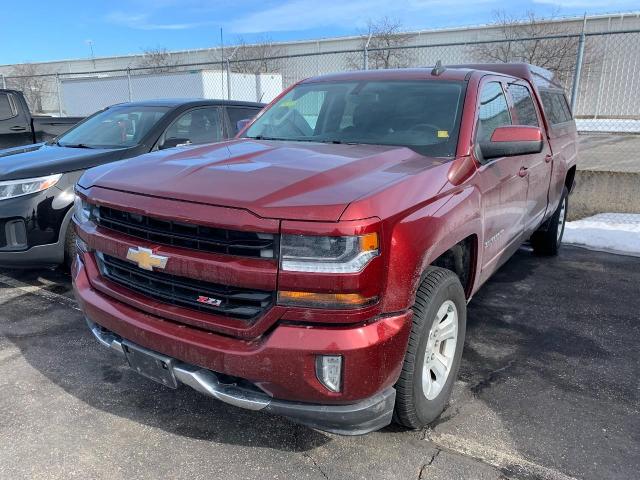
(29, 79)
(527, 40)
(383, 41)
(256, 57)
(157, 60)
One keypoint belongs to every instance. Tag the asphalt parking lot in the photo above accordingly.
(549, 389)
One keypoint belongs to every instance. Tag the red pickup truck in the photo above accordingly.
(319, 267)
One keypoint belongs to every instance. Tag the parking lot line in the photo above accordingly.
(499, 459)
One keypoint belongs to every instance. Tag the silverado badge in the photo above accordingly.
(146, 259)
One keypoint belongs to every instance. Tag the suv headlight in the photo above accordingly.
(320, 254)
(17, 188)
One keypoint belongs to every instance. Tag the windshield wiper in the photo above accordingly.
(73, 145)
(262, 137)
(339, 142)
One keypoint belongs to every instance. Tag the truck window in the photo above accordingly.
(494, 111)
(423, 115)
(556, 107)
(6, 111)
(523, 105)
(199, 126)
(236, 114)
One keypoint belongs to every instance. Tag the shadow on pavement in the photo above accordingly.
(551, 351)
(56, 342)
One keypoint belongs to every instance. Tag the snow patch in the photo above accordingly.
(610, 232)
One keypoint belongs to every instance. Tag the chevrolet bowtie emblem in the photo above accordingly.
(146, 259)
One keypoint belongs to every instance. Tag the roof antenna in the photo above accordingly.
(438, 69)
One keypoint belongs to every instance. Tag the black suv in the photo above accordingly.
(37, 181)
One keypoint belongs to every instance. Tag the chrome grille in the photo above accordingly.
(241, 303)
(187, 235)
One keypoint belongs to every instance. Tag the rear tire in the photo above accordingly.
(435, 348)
(547, 240)
(69, 246)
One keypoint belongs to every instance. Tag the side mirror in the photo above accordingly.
(512, 140)
(174, 142)
(241, 124)
(461, 170)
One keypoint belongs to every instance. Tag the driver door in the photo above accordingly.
(501, 181)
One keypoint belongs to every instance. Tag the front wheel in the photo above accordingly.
(435, 348)
(548, 239)
(69, 246)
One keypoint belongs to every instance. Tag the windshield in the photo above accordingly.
(115, 127)
(423, 115)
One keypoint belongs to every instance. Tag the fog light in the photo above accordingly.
(329, 371)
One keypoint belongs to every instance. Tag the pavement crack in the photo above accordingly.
(423, 469)
(317, 465)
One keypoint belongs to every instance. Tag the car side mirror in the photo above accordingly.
(512, 140)
(174, 142)
(241, 124)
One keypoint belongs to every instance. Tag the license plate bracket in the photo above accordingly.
(154, 366)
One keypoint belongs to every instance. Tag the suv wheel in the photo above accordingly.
(435, 347)
(548, 239)
(69, 246)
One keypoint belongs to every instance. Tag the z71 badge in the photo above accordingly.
(214, 302)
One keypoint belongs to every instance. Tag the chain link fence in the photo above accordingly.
(600, 71)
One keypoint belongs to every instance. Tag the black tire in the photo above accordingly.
(547, 240)
(413, 409)
(69, 246)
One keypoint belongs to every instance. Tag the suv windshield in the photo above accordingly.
(115, 127)
(423, 115)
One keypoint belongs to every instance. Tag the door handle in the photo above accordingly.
(523, 172)
(548, 158)
(17, 129)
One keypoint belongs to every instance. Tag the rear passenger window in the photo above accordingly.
(523, 105)
(6, 111)
(555, 106)
(494, 111)
(201, 125)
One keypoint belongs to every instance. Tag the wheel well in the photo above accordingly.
(460, 259)
(568, 181)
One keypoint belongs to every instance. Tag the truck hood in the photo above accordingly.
(273, 179)
(40, 160)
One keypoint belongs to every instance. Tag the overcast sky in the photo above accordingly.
(63, 29)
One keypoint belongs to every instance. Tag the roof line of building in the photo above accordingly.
(340, 38)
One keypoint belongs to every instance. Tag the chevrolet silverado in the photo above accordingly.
(320, 265)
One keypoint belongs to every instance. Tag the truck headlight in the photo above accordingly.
(323, 254)
(17, 188)
(83, 210)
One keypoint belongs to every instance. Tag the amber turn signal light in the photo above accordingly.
(324, 300)
(369, 242)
